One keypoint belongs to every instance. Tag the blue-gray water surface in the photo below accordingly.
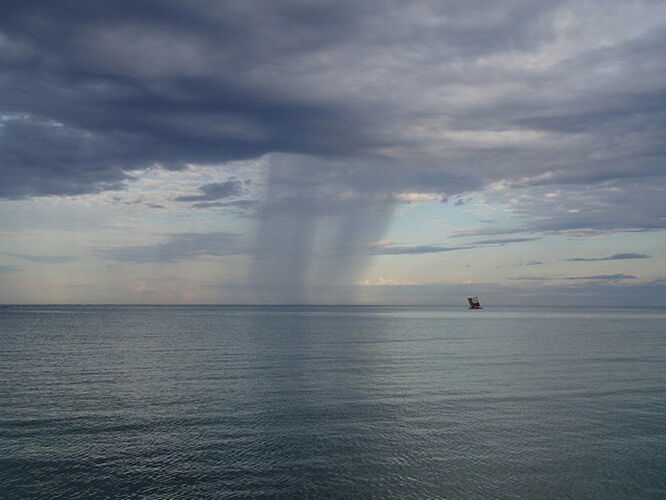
(347, 402)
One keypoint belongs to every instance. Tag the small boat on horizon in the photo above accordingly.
(474, 303)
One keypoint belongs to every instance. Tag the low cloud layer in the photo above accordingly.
(597, 277)
(504, 241)
(390, 249)
(414, 250)
(215, 191)
(42, 259)
(178, 247)
(617, 256)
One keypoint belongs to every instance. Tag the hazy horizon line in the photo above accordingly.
(460, 305)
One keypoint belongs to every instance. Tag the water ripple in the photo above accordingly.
(220, 402)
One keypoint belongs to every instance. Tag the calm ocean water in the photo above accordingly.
(383, 402)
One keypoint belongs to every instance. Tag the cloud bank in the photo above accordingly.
(178, 247)
(617, 256)
(598, 277)
(215, 191)
(443, 96)
(555, 110)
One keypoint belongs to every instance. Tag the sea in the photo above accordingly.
(187, 402)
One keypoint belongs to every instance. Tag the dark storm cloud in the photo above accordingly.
(353, 105)
(617, 256)
(215, 191)
(40, 157)
(178, 247)
(93, 91)
(434, 95)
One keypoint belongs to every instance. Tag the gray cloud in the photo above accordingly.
(504, 241)
(93, 92)
(7, 269)
(617, 256)
(529, 263)
(178, 247)
(241, 205)
(103, 90)
(215, 191)
(46, 259)
(415, 250)
(601, 277)
(619, 276)
(351, 104)
(608, 207)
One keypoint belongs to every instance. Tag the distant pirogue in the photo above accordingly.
(474, 303)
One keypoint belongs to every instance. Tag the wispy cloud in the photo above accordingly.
(386, 248)
(597, 277)
(505, 241)
(238, 204)
(45, 259)
(617, 256)
(178, 247)
(413, 250)
(382, 281)
(529, 263)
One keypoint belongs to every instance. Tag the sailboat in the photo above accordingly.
(474, 303)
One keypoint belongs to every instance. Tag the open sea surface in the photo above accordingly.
(171, 402)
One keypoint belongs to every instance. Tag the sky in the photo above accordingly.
(298, 152)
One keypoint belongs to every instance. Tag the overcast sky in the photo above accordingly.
(333, 152)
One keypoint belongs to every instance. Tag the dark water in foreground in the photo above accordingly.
(215, 402)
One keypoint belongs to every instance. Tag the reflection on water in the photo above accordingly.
(210, 402)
